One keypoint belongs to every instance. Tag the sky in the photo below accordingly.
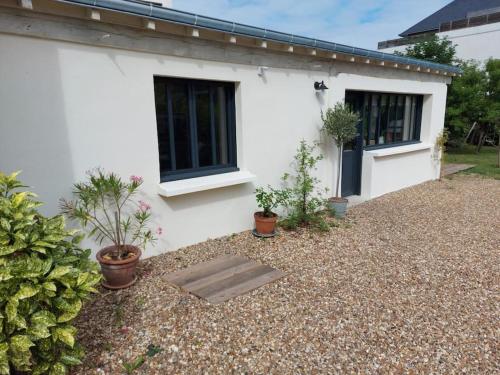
(359, 23)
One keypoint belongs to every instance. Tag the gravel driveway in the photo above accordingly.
(409, 284)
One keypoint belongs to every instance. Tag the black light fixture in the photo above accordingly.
(320, 86)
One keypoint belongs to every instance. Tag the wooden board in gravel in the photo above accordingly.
(224, 277)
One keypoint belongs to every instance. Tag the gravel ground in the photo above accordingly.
(408, 284)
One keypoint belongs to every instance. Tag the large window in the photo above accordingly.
(196, 127)
(388, 119)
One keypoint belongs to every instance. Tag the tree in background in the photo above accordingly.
(493, 87)
(467, 102)
(432, 48)
(473, 102)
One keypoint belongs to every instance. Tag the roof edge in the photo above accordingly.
(203, 22)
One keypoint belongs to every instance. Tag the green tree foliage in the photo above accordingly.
(473, 97)
(44, 277)
(303, 199)
(432, 48)
(493, 91)
(467, 101)
(493, 115)
(493, 70)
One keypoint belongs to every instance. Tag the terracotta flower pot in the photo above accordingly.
(264, 224)
(118, 274)
(338, 206)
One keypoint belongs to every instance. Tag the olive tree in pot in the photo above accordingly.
(339, 123)
(104, 205)
(265, 220)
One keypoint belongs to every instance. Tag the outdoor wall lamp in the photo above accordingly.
(320, 86)
(261, 70)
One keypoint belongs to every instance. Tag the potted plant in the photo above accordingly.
(104, 205)
(339, 123)
(265, 220)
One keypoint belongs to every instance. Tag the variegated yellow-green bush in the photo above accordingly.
(44, 277)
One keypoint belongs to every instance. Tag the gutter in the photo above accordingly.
(190, 19)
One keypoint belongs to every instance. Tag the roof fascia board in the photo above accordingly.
(203, 22)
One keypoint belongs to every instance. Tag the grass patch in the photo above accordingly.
(485, 161)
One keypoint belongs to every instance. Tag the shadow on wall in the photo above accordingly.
(34, 136)
(211, 197)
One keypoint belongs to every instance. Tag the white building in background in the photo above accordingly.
(473, 25)
(204, 110)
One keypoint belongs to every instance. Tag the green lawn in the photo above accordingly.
(485, 161)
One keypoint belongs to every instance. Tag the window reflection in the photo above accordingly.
(387, 118)
(196, 127)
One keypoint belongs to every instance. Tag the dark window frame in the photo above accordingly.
(366, 114)
(172, 173)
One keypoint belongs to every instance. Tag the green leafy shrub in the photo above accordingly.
(304, 200)
(269, 199)
(44, 277)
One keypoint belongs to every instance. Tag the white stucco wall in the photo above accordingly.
(473, 43)
(66, 108)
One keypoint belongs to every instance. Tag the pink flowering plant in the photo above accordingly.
(105, 205)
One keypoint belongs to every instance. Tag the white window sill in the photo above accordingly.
(389, 151)
(192, 185)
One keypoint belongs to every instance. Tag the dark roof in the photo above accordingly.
(151, 10)
(456, 10)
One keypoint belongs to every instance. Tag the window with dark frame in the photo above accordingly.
(196, 127)
(388, 119)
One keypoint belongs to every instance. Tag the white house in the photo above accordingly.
(204, 110)
(473, 26)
